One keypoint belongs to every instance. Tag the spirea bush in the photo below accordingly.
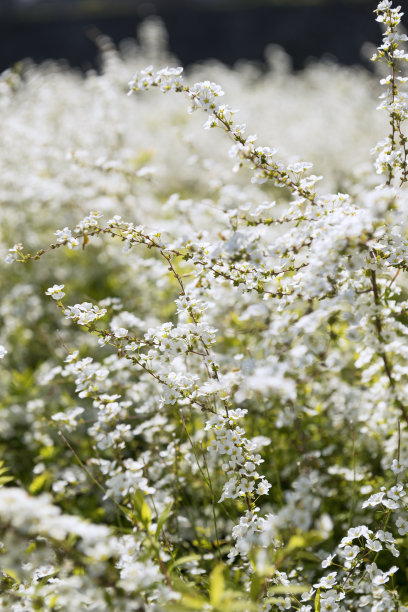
(204, 379)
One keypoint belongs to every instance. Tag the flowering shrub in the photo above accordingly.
(220, 421)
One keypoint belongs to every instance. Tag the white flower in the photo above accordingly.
(327, 561)
(390, 503)
(84, 313)
(384, 5)
(398, 466)
(402, 525)
(142, 80)
(169, 79)
(121, 332)
(327, 581)
(56, 292)
(131, 347)
(64, 234)
(373, 545)
(374, 500)
(3, 351)
(204, 95)
(245, 486)
(13, 253)
(350, 552)
(136, 575)
(69, 418)
(72, 357)
(263, 487)
(300, 167)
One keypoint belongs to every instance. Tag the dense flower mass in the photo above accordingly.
(204, 379)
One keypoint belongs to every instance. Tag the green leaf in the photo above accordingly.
(256, 586)
(52, 603)
(31, 547)
(39, 483)
(5, 479)
(48, 452)
(4, 470)
(287, 588)
(146, 515)
(296, 541)
(217, 584)
(183, 560)
(142, 509)
(317, 601)
(162, 519)
(12, 574)
(194, 603)
(130, 515)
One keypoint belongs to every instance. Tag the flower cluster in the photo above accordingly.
(222, 423)
(392, 151)
(84, 313)
(168, 79)
(240, 463)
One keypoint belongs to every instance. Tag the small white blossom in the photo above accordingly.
(13, 253)
(120, 332)
(56, 292)
(327, 581)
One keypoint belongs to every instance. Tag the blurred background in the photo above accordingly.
(227, 30)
